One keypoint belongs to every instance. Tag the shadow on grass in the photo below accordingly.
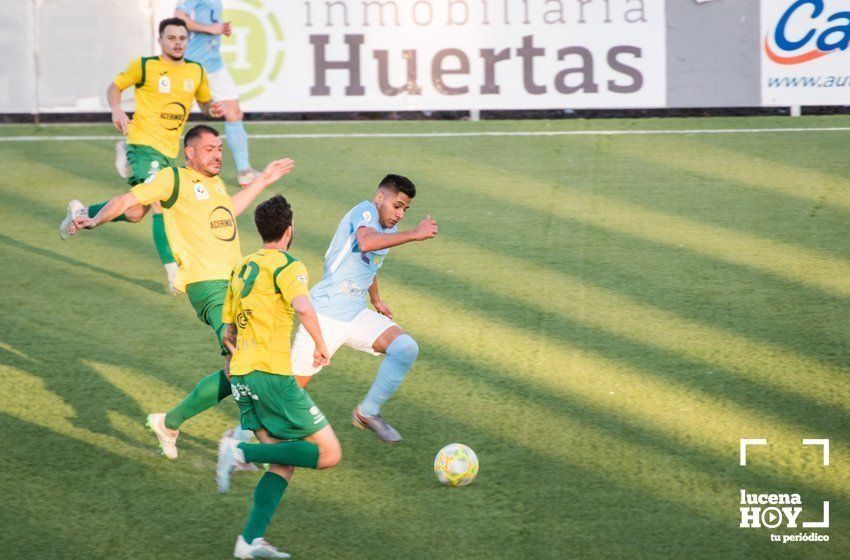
(753, 395)
(149, 285)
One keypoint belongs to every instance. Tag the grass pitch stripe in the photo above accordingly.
(67, 138)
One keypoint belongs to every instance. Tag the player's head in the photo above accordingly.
(393, 199)
(273, 218)
(173, 37)
(202, 146)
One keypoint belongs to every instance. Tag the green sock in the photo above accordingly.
(206, 394)
(294, 453)
(161, 240)
(267, 496)
(95, 208)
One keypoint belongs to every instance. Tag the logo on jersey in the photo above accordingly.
(164, 84)
(189, 84)
(220, 188)
(201, 192)
(367, 217)
(150, 178)
(173, 115)
(223, 224)
(254, 52)
(243, 317)
(302, 278)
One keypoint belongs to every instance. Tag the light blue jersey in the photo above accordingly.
(203, 47)
(342, 292)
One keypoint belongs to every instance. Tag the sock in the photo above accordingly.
(206, 394)
(401, 353)
(294, 453)
(237, 141)
(267, 496)
(95, 208)
(161, 240)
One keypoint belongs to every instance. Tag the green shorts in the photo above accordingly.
(145, 161)
(276, 403)
(207, 298)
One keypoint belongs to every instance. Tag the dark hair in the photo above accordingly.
(399, 184)
(172, 21)
(196, 131)
(272, 217)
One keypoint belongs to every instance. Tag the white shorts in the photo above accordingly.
(222, 86)
(360, 334)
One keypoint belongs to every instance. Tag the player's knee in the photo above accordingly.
(283, 471)
(404, 349)
(330, 454)
(135, 214)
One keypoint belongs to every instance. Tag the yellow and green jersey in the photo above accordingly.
(165, 92)
(259, 303)
(199, 221)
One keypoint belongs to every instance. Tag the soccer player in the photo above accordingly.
(201, 220)
(165, 88)
(267, 289)
(203, 17)
(358, 249)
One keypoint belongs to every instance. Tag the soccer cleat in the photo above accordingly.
(247, 176)
(258, 548)
(167, 437)
(229, 458)
(121, 163)
(384, 431)
(67, 227)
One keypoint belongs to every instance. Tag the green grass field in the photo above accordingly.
(601, 319)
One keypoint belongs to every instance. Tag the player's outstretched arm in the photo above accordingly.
(116, 206)
(223, 28)
(370, 240)
(307, 315)
(273, 171)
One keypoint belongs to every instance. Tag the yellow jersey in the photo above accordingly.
(199, 221)
(259, 303)
(164, 95)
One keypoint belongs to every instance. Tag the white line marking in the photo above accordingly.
(460, 134)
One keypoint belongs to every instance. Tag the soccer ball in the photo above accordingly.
(456, 465)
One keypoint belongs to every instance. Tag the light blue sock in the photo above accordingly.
(237, 141)
(401, 354)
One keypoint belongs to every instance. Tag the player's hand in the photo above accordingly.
(120, 121)
(321, 356)
(426, 229)
(228, 337)
(83, 223)
(381, 308)
(219, 28)
(217, 110)
(276, 169)
(228, 29)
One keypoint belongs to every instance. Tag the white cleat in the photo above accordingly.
(258, 548)
(247, 176)
(67, 227)
(167, 437)
(121, 163)
(229, 458)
